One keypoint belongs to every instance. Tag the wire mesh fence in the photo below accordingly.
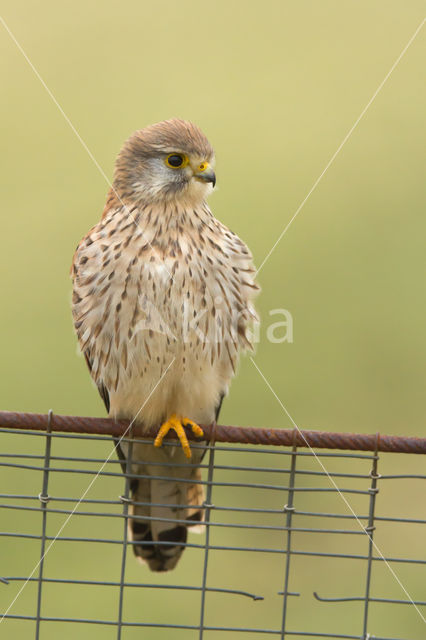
(295, 543)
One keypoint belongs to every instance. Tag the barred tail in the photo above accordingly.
(160, 543)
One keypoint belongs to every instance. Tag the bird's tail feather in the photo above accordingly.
(162, 514)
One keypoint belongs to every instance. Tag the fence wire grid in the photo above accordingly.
(277, 518)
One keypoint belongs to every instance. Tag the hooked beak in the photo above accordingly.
(205, 174)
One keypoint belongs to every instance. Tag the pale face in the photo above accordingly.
(165, 162)
(171, 174)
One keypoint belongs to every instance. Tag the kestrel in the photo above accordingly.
(162, 304)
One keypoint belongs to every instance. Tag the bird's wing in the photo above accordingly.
(103, 391)
(81, 308)
(243, 280)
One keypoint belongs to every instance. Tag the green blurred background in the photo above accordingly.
(276, 86)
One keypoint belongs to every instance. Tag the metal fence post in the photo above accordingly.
(373, 491)
(126, 501)
(44, 499)
(289, 510)
(208, 507)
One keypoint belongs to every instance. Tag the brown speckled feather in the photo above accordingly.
(162, 291)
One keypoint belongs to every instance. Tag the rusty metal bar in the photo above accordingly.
(243, 435)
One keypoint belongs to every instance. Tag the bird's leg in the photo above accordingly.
(178, 424)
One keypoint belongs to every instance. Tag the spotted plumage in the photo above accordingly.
(162, 302)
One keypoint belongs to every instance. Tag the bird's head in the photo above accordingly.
(170, 160)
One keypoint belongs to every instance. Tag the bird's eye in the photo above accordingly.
(176, 160)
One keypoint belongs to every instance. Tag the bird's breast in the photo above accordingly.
(176, 307)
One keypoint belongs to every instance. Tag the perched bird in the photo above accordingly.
(162, 302)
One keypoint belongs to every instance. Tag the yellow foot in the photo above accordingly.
(176, 423)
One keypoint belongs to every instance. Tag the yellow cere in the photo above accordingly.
(203, 166)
